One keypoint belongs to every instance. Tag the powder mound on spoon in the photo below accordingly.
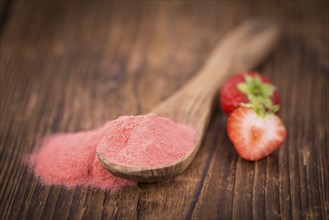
(146, 141)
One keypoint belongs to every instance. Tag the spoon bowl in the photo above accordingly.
(241, 49)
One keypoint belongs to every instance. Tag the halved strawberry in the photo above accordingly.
(255, 135)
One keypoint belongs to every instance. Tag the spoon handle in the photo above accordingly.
(242, 49)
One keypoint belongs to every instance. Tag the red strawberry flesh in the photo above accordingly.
(254, 136)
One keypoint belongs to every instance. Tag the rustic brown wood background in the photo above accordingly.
(70, 65)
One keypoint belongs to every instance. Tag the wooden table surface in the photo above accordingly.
(70, 66)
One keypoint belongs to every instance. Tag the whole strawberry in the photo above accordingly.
(249, 87)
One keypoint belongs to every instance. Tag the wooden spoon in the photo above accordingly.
(240, 50)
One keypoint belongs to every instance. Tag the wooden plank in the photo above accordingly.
(69, 66)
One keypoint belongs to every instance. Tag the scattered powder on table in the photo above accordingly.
(147, 140)
(70, 160)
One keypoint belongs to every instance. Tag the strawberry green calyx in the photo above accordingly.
(259, 95)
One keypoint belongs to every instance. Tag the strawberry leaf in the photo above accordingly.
(259, 94)
(243, 87)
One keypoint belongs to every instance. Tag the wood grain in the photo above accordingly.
(69, 66)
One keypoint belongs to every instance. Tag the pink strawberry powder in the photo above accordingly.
(70, 159)
(146, 141)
